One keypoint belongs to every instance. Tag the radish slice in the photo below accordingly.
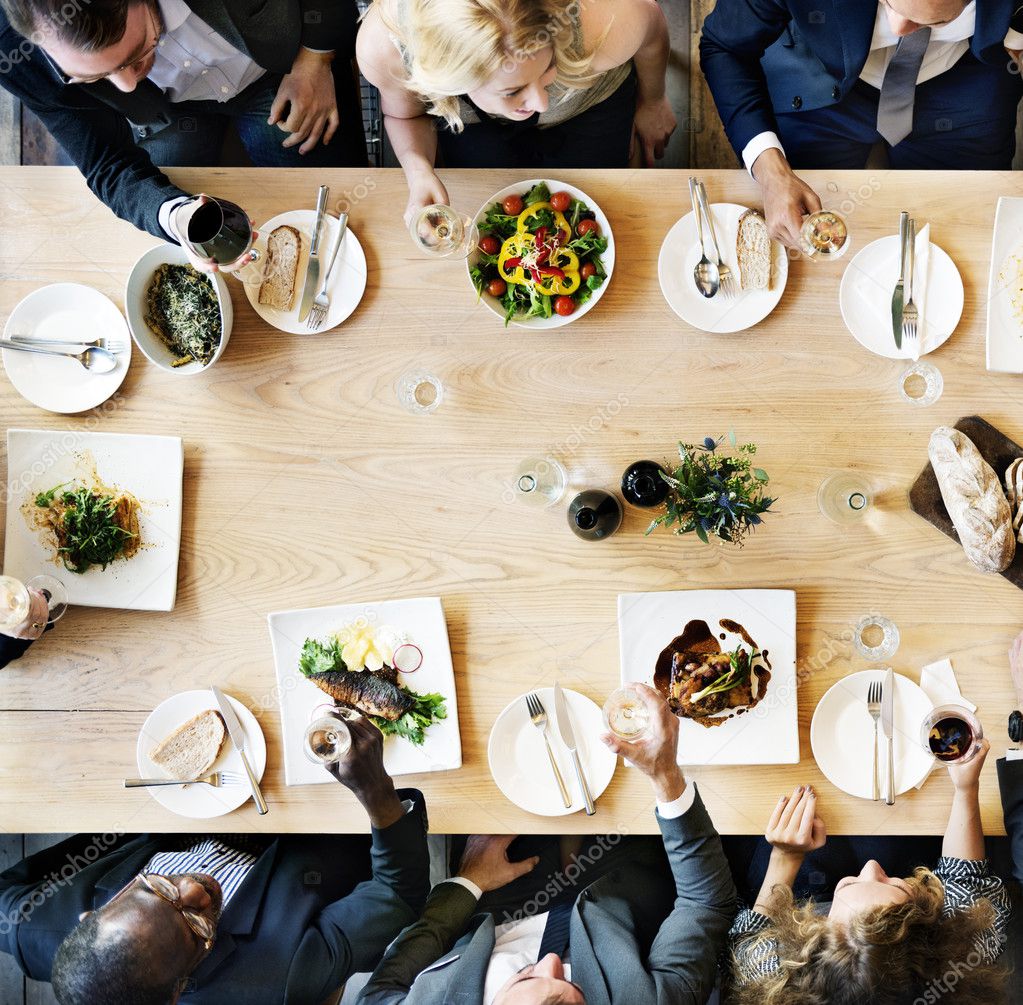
(408, 658)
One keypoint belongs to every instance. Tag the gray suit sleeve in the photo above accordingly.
(445, 919)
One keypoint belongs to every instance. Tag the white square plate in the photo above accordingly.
(423, 620)
(766, 734)
(1004, 297)
(149, 467)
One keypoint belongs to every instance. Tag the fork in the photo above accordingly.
(910, 313)
(538, 714)
(216, 780)
(321, 302)
(110, 344)
(724, 272)
(874, 708)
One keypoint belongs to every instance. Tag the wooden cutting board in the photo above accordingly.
(999, 451)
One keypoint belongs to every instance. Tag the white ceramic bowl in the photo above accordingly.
(608, 258)
(152, 346)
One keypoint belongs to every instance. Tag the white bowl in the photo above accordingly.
(608, 257)
(152, 346)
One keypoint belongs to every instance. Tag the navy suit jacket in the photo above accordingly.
(1010, 781)
(310, 912)
(761, 57)
(91, 122)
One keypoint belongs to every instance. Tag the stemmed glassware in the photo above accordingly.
(220, 230)
(442, 232)
(26, 609)
(824, 236)
(843, 497)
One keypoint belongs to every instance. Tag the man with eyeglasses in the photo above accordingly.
(228, 919)
(822, 83)
(624, 921)
(125, 85)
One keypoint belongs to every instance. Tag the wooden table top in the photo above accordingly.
(306, 484)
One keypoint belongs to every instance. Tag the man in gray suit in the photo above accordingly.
(648, 930)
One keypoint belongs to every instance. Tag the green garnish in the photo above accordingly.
(45, 499)
(86, 525)
(737, 673)
(429, 708)
(318, 657)
(182, 308)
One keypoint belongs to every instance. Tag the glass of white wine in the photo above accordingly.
(26, 609)
(824, 236)
(442, 232)
(327, 739)
(625, 714)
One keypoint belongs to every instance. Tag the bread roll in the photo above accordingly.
(753, 251)
(189, 752)
(283, 250)
(974, 499)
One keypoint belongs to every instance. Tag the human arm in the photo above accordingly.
(964, 833)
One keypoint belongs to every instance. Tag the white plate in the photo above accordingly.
(200, 801)
(842, 735)
(423, 620)
(769, 732)
(65, 311)
(865, 298)
(608, 258)
(1005, 289)
(150, 467)
(347, 281)
(519, 763)
(681, 251)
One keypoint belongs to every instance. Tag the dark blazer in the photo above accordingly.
(449, 948)
(92, 122)
(293, 933)
(1010, 781)
(761, 57)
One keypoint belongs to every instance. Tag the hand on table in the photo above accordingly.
(179, 219)
(485, 862)
(794, 828)
(656, 752)
(1016, 667)
(424, 189)
(362, 770)
(966, 777)
(652, 127)
(308, 94)
(787, 198)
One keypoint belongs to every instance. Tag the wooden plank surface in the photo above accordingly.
(306, 484)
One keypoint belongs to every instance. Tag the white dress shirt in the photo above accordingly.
(517, 943)
(1014, 754)
(947, 44)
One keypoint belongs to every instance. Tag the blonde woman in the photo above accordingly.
(532, 84)
(882, 939)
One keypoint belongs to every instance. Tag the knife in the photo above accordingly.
(568, 739)
(312, 269)
(234, 727)
(897, 296)
(887, 723)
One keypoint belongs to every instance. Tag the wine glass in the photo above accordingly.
(824, 236)
(442, 232)
(55, 594)
(625, 714)
(951, 733)
(220, 230)
(844, 497)
(540, 481)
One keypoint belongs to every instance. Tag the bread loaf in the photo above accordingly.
(191, 749)
(753, 251)
(283, 250)
(973, 496)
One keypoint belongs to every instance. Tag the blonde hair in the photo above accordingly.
(452, 47)
(887, 955)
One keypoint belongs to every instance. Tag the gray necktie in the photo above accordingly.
(895, 107)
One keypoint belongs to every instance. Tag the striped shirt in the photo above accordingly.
(228, 865)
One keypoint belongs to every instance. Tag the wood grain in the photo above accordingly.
(306, 484)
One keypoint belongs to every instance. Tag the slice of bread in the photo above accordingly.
(753, 251)
(283, 250)
(189, 752)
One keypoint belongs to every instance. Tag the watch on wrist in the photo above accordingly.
(1016, 726)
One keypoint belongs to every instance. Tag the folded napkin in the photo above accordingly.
(938, 682)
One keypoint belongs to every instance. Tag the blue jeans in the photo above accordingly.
(195, 137)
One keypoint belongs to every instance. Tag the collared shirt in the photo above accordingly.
(195, 63)
(226, 864)
(947, 44)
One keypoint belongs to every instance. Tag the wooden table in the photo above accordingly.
(306, 484)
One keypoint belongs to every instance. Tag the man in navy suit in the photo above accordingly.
(817, 83)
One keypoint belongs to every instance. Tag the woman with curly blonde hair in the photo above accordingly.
(535, 84)
(882, 940)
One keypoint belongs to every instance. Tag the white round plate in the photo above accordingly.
(842, 735)
(60, 312)
(200, 801)
(519, 763)
(681, 251)
(608, 258)
(347, 281)
(865, 298)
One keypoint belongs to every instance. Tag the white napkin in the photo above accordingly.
(938, 682)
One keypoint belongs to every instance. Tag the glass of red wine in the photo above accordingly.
(220, 230)
(951, 733)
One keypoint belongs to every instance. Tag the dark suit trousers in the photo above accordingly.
(964, 118)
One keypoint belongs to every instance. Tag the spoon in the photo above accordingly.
(94, 359)
(706, 273)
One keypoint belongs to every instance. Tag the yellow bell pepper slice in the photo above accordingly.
(523, 245)
(515, 246)
(559, 218)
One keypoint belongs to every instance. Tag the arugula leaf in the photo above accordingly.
(319, 657)
(429, 708)
(45, 499)
(538, 193)
(86, 527)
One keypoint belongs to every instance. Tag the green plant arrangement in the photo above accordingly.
(715, 493)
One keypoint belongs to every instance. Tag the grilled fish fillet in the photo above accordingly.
(368, 692)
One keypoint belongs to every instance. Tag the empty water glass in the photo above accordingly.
(922, 384)
(420, 392)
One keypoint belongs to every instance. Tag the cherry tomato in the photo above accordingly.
(564, 306)
(497, 287)
(513, 205)
(561, 201)
(585, 226)
(588, 269)
(490, 245)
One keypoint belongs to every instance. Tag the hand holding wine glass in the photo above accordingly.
(216, 235)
